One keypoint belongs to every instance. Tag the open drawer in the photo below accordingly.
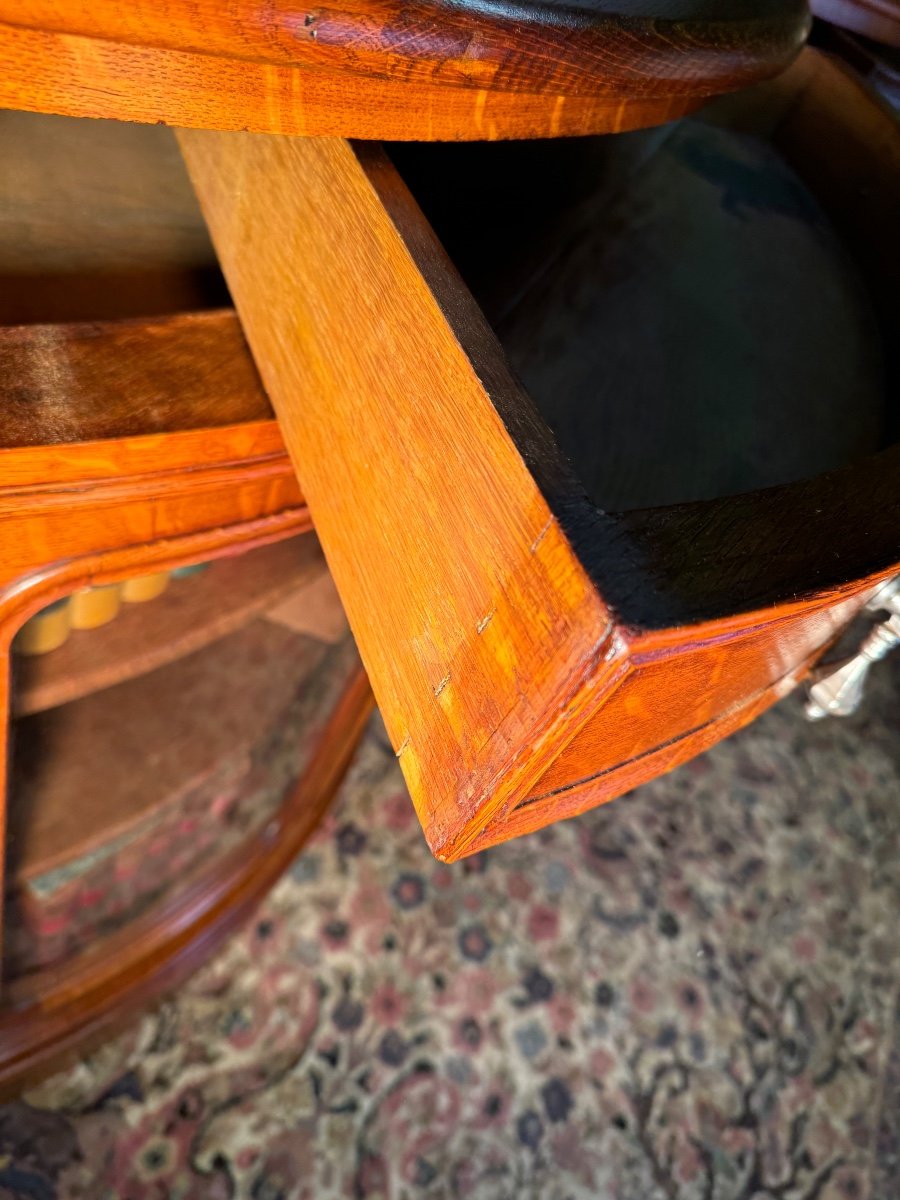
(534, 650)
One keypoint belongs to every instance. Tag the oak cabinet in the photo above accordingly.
(535, 652)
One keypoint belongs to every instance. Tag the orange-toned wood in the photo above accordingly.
(681, 691)
(93, 512)
(190, 615)
(380, 68)
(154, 514)
(127, 448)
(521, 642)
(474, 618)
(49, 1017)
(162, 484)
(597, 787)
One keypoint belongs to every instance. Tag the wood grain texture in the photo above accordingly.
(600, 786)
(385, 69)
(82, 512)
(472, 614)
(521, 643)
(48, 1018)
(191, 614)
(165, 486)
(91, 381)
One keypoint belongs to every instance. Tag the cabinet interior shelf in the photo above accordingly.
(188, 616)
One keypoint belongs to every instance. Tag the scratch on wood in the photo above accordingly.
(440, 687)
(403, 747)
(485, 621)
(540, 537)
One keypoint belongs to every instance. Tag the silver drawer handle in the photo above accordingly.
(837, 690)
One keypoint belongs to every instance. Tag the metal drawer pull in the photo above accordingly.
(838, 688)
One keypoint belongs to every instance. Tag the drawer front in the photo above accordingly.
(531, 654)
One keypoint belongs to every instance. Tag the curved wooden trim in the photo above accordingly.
(813, 541)
(30, 591)
(77, 466)
(99, 511)
(185, 619)
(529, 47)
(57, 1013)
(383, 68)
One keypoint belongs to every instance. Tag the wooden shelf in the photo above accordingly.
(88, 773)
(120, 797)
(192, 613)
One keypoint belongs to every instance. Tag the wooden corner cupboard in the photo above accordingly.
(162, 770)
(596, 432)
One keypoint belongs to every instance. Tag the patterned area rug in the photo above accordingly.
(689, 994)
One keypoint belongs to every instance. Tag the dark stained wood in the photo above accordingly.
(522, 643)
(685, 563)
(191, 614)
(52, 1016)
(382, 68)
(675, 290)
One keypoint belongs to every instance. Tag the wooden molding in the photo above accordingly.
(384, 69)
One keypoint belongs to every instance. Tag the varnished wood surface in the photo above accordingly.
(600, 785)
(90, 381)
(163, 483)
(50, 1017)
(77, 513)
(191, 614)
(474, 618)
(379, 68)
(521, 643)
(138, 506)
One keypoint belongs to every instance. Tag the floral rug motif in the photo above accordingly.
(689, 994)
